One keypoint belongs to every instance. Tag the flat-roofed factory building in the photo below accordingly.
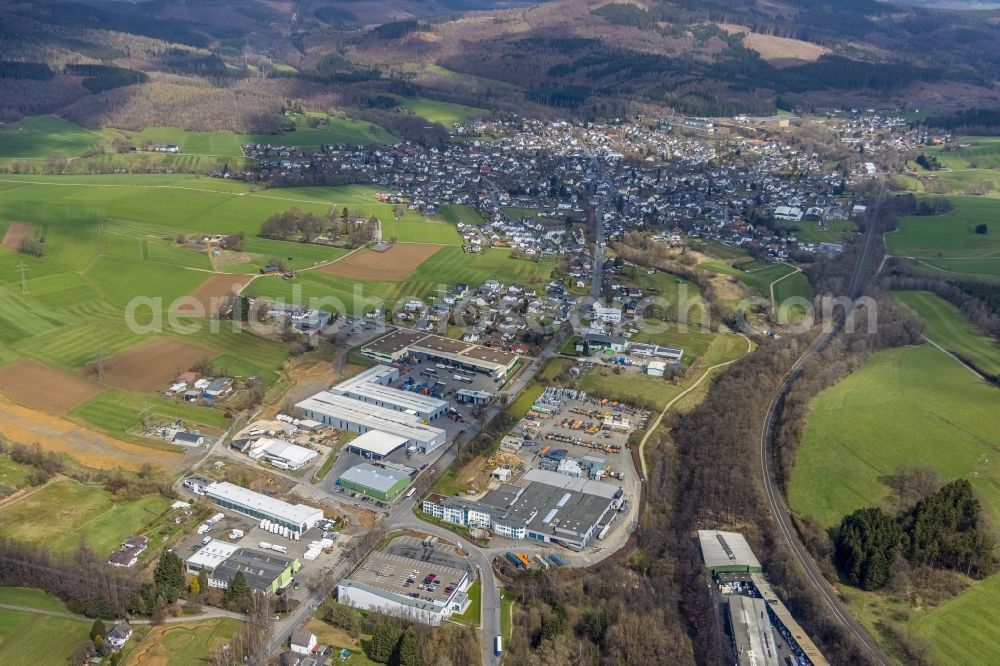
(379, 482)
(403, 343)
(298, 518)
(727, 552)
(345, 413)
(375, 444)
(393, 585)
(373, 387)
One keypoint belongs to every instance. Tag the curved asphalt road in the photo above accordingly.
(775, 499)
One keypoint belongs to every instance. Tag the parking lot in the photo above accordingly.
(430, 553)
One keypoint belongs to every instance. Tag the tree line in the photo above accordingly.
(307, 227)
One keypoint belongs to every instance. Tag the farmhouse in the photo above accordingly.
(348, 414)
(372, 386)
(297, 518)
(403, 343)
(128, 554)
(378, 482)
(385, 583)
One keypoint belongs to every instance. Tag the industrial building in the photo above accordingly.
(375, 444)
(373, 481)
(551, 508)
(298, 518)
(391, 584)
(403, 343)
(221, 561)
(281, 454)
(373, 387)
(750, 627)
(346, 413)
(727, 552)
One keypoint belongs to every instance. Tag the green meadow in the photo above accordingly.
(445, 113)
(948, 243)
(907, 406)
(760, 277)
(832, 231)
(45, 135)
(78, 513)
(30, 638)
(948, 327)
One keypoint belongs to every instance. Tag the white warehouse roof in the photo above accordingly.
(371, 416)
(212, 554)
(725, 549)
(372, 384)
(378, 442)
(294, 513)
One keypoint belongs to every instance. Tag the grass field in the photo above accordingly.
(948, 327)
(907, 406)
(962, 629)
(29, 638)
(445, 113)
(119, 411)
(833, 231)
(628, 386)
(948, 243)
(473, 614)
(42, 136)
(75, 513)
(455, 213)
(30, 597)
(759, 279)
(13, 475)
(183, 643)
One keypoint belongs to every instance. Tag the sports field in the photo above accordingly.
(948, 327)
(183, 643)
(907, 406)
(75, 512)
(948, 243)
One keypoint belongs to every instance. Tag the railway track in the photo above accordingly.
(775, 498)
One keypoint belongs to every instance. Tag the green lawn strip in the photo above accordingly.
(907, 406)
(473, 614)
(948, 327)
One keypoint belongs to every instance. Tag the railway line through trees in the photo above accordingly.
(775, 497)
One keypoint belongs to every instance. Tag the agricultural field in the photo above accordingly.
(455, 213)
(74, 513)
(961, 630)
(392, 265)
(118, 411)
(445, 113)
(338, 130)
(907, 406)
(179, 644)
(31, 638)
(948, 327)
(948, 243)
(41, 136)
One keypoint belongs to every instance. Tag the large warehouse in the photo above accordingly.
(387, 584)
(221, 560)
(403, 343)
(750, 627)
(372, 387)
(727, 552)
(348, 414)
(378, 482)
(298, 518)
(551, 508)
(375, 444)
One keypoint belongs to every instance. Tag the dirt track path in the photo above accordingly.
(676, 398)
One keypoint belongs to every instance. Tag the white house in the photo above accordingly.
(118, 637)
(302, 641)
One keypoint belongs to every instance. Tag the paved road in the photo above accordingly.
(776, 501)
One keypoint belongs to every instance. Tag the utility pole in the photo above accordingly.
(144, 415)
(99, 362)
(23, 270)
